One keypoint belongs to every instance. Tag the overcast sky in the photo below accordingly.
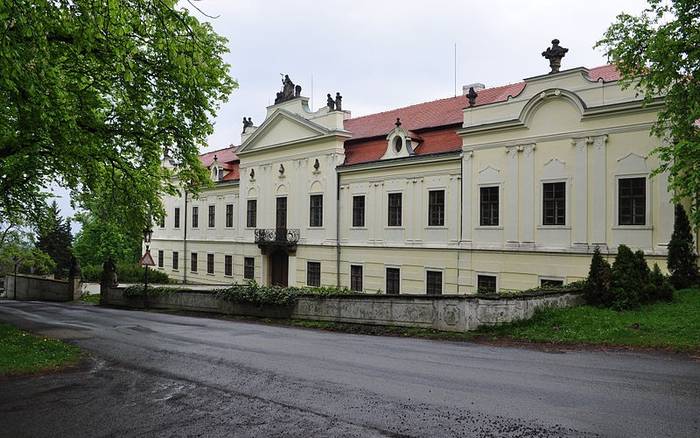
(384, 54)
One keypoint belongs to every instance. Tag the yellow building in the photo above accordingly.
(500, 188)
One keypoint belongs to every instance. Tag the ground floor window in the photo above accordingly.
(249, 268)
(193, 262)
(175, 260)
(356, 278)
(486, 284)
(433, 283)
(210, 263)
(228, 265)
(551, 282)
(393, 281)
(160, 258)
(313, 274)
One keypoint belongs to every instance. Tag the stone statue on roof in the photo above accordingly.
(555, 54)
(330, 102)
(289, 90)
(471, 96)
(247, 123)
(338, 102)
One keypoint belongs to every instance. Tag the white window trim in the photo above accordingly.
(427, 208)
(191, 271)
(228, 275)
(323, 211)
(386, 210)
(548, 277)
(320, 284)
(246, 213)
(233, 215)
(179, 217)
(567, 204)
(364, 227)
(192, 216)
(490, 274)
(178, 261)
(478, 207)
(442, 278)
(214, 227)
(647, 214)
(207, 264)
(386, 292)
(362, 265)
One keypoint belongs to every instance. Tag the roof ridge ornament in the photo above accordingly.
(554, 54)
(471, 96)
(398, 122)
(289, 90)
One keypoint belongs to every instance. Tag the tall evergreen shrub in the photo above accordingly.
(597, 289)
(682, 260)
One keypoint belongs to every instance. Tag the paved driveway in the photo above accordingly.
(167, 375)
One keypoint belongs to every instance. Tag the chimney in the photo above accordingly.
(478, 86)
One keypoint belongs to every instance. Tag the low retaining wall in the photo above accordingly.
(448, 313)
(30, 287)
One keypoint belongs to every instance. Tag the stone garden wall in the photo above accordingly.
(30, 287)
(448, 313)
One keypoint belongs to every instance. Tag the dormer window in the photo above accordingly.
(217, 173)
(398, 144)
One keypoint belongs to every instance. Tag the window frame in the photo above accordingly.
(442, 280)
(195, 216)
(246, 275)
(386, 279)
(498, 206)
(211, 216)
(362, 277)
(228, 265)
(550, 278)
(176, 218)
(315, 263)
(566, 202)
(161, 258)
(229, 215)
(647, 201)
(313, 211)
(176, 261)
(389, 195)
(212, 258)
(486, 274)
(356, 208)
(444, 207)
(251, 214)
(194, 262)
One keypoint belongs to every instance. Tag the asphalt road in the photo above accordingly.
(166, 375)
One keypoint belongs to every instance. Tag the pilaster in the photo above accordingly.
(599, 175)
(579, 207)
(509, 212)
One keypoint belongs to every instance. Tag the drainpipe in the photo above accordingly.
(337, 229)
(184, 244)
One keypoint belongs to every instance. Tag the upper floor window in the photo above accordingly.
(433, 282)
(356, 278)
(195, 217)
(249, 268)
(436, 208)
(177, 217)
(252, 213)
(394, 205)
(632, 201)
(554, 203)
(316, 211)
(210, 263)
(393, 281)
(212, 216)
(358, 211)
(488, 213)
(313, 273)
(229, 215)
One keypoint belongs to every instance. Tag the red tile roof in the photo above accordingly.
(227, 157)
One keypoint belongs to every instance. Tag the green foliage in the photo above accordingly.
(137, 290)
(126, 273)
(31, 259)
(597, 290)
(633, 283)
(657, 54)
(53, 237)
(101, 238)
(91, 94)
(663, 289)
(21, 352)
(252, 293)
(682, 260)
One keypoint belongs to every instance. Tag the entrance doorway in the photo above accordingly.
(279, 269)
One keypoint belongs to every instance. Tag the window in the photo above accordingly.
(433, 283)
(313, 273)
(210, 263)
(436, 208)
(632, 201)
(316, 211)
(489, 206)
(393, 281)
(398, 143)
(249, 268)
(175, 260)
(228, 266)
(212, 216)
(554, 203)
(356, 278)
(252, 213)
(229, 215)
(195, 217)
(358, 211)
(177, 217)
(281, 219)
(394, 210)
(160, 258)
(193, 262)
(486, 284)
(161, 222)
(551, 282)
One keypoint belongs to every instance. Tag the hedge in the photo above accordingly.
(126, 273)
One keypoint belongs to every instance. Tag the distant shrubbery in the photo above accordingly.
(126, 273)
(627, 284)
(252, 293)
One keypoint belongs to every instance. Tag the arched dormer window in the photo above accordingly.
(399, 142)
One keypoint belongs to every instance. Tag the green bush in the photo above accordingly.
(252, 293)
(682, 260)
(137, 290)
(126, 273)
(663, 289)
(627, 280)
(597, 289)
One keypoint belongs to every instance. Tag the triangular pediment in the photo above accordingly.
(282, 128)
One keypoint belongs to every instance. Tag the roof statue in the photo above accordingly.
(247, 123)
(289, 91)
(330, 102)
(555, 54)
(471, 96)
(338, 102)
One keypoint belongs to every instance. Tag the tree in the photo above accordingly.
(657, 54)
(681, 259)
(17, 246)
(91, 94)
(598, 284)
(101, 238)
(53, 237)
